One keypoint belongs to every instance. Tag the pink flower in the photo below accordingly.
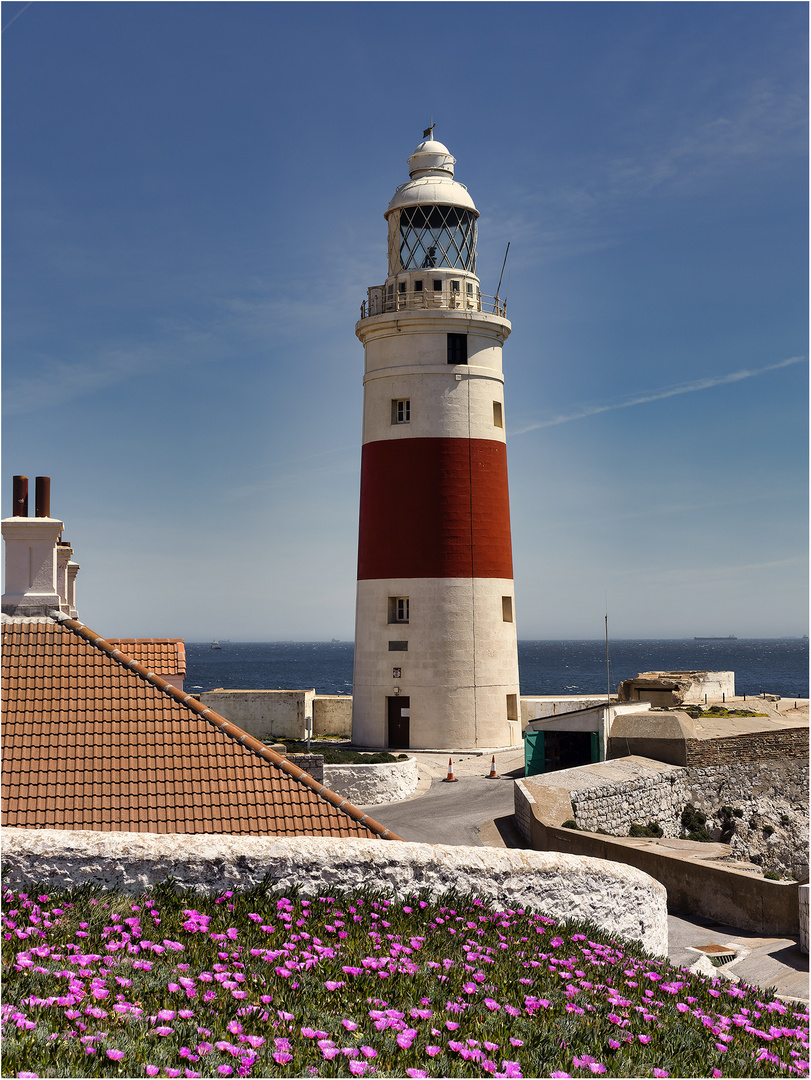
(152, 1070)
(350, 1025)
(358, 1068)
(661, 1072)
(432, 1051)
(281, 1058)
(416, 1072)
(115, 1055)
(644, 1038)
(720, 1046)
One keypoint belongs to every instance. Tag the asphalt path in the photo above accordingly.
(453, 813)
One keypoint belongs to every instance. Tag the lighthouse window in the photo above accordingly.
(454, 286)
(437, 284)
(417, 286)
(512, 706)
(457, 348)
(437, 236)
(398, 646)
(401, 411)
(400, 286)
(469, 288)
(498, 417)
(507, 608)
(398, 609)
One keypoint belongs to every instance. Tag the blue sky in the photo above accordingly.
(193, 200)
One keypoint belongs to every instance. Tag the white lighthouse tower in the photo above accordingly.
(436, 661)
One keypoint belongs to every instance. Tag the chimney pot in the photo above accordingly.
(20, 496)
(42, 497)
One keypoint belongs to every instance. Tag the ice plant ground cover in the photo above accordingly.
(257, 984)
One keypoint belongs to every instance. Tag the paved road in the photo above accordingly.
(453, 813)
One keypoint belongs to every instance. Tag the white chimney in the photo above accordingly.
(32, 586)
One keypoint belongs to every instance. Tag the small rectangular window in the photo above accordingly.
(401, 411)
(390, 290)
(470, 288)
(507, 608)
(401, 286)
(512, 706)
(455, 286)
(437, 284)
(457, 348)
(398, 609)
(498, 417)
(399, 646)
(417, 286)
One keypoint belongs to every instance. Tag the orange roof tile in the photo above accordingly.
(94, 740)
(159, 654)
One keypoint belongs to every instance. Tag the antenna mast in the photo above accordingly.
(501, 275)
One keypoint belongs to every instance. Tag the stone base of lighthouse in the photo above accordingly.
(402, 695)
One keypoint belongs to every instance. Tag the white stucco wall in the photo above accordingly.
(620, 899)
(371, 785)
(265, 714)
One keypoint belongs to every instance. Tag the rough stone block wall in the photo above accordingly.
(772, 794)
(311, 763)
(620, 899)
(748, 748)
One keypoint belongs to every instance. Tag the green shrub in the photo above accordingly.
(785, 820)
(737, 812)
(694, 823)
(768, 830)
(570, 823)
(653, 828)
(771, 875)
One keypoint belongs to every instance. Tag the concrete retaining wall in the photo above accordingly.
(371, 785)
(265, 714)
(332, 715)
(620, 899)
(694, 886)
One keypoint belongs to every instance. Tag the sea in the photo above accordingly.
(761, 665)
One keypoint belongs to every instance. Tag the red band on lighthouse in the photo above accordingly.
(434, 508)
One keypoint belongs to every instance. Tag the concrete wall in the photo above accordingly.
(265, 714)
(694, 887)
(332, 715)
(619, 899)
(371, 785)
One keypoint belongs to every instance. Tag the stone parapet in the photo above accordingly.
(619, 899)
(371, 785)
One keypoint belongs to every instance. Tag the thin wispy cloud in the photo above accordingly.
(659, 395)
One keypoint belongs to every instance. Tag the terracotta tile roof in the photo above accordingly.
(159, 654)
(94, 740)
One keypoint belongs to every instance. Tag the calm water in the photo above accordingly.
(771, 665)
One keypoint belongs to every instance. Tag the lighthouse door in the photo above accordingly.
(399, 716)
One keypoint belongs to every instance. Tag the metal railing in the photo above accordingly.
(379, 302)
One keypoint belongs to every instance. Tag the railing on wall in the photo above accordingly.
(378, 302)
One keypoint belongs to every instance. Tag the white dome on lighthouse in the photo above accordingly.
(430, 156)
(431, 170)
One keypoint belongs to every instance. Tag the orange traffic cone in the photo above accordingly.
(493, 775)
(450, 778)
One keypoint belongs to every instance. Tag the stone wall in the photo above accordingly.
(772, 831)
(694, 886)
(752, 747)
(332, 715)
(371, 785)
(620, 899)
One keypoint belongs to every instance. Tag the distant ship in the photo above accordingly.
(216, 645)
(729, 637)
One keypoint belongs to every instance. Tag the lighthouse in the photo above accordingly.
(436, 660)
